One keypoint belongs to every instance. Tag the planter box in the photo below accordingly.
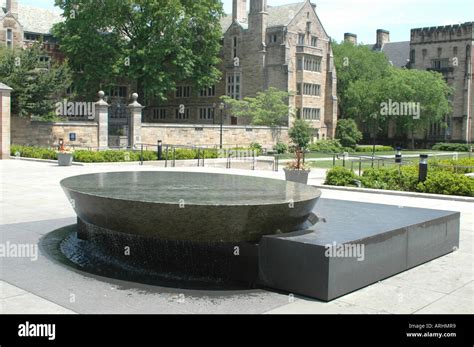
(298, 176)
(64, 159)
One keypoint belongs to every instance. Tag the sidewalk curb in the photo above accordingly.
(398, 193)
(43, 160)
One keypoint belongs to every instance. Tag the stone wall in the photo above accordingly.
(45, 134)
(208, 135)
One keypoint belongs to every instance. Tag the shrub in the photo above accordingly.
(281, 148)
(34, 152)
(457, 166)
(84, 156)
(403, 178)
(348, 133)
(406, 179)
(370, 148)
(254, 146)
(326, 146)
(340, 176)
(451, 147)
(447, 183)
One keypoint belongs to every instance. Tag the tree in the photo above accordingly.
(155, 43)
(385, 99)
(348, 133)
(267, 108)
(300, 134)
(356, 63)
(37, 84)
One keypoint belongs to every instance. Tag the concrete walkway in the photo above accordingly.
(33, 204)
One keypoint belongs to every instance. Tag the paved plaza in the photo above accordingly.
(33, 204)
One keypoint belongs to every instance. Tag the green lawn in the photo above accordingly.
(377, 154)
(367, 163)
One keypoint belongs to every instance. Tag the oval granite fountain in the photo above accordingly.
(202, 226)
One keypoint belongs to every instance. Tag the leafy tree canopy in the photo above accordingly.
(300, 133)
(347, 133)
(268, 108)
(155, 43)
(37, 84)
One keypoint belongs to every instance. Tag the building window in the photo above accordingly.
(206, 113)
(182, 116)
(31, 37)
(207, 92)
(439, 63)
(311, 113)
(183, 92)
(299, 65)
(273, 38)
(159, 113)
(312, 64)
(412, 56)
(314, 41)
(234, 45)
(424, 52)
(440, 52)
(301, 38)
(308, 27)
(234, 81)
(312, 89)
(118, 92)
(9, 38)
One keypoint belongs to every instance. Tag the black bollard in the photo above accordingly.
(398, 156)
(423, 168)
(160, 150)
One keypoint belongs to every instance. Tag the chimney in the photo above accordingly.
(258, 6)
(12, 7)
(383, 37)
(239, 11)
(352, 38)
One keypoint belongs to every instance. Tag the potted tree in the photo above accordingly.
(64, 156)
(300, 134)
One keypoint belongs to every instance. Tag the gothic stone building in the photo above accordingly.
(21, 26)
(285, 47)
(449, 51)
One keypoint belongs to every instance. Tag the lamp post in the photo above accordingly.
(221, 107)
(160, 150)
(423, 168)
(398, 156)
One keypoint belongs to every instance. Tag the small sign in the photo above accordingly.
(72, 136)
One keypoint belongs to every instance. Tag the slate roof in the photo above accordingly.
(396, 52)
(277, 15)
(34, 19)
(3, 86)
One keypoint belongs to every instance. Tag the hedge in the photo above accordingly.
(452, 147)
(405, 178)
(86, 156)
(34, 152)
(370, 148)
